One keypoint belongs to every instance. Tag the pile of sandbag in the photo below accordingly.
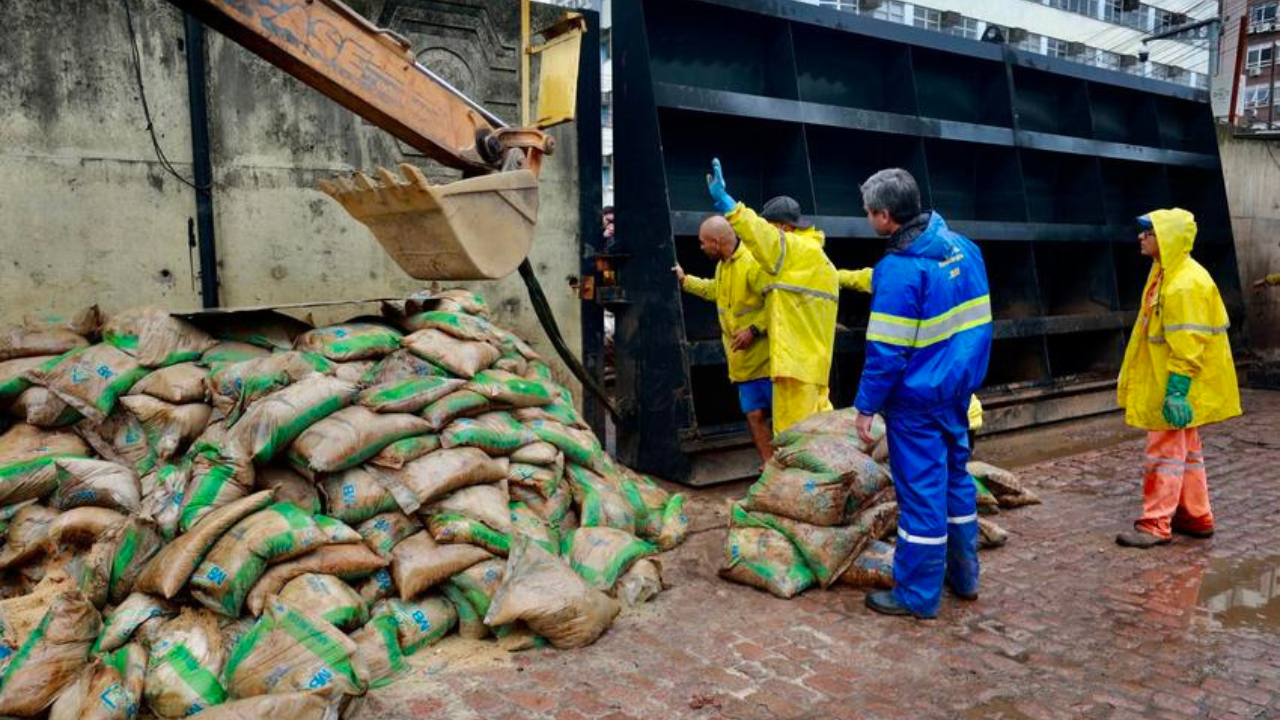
(235, 520)
(823, 510)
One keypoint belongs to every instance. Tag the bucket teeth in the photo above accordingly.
(387, 191)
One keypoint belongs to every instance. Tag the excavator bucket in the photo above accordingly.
(474, 229)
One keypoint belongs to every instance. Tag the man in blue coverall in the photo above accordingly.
(928, 342)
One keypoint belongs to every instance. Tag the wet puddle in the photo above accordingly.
(1242, 593)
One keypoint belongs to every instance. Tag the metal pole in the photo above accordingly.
(525, 44)
(198, 103)
(1242, 47)
(1271, 91)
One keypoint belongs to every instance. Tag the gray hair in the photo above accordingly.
(893, 190)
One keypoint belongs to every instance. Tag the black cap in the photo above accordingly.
(786, 210)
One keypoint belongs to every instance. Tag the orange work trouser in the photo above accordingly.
(1175, 490)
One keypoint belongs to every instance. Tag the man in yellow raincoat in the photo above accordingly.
(801, 293)
(736, 290)
(860, 281)
(1177, 376)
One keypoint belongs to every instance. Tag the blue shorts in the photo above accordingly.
(755, 395)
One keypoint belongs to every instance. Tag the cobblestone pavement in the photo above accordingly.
(1068, 625)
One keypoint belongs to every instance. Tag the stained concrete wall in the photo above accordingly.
(1251, 168)
(88, 215)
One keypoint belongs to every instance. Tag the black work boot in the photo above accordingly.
(1140, 540)
(883, 602)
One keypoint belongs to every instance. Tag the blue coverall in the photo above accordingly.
(928, 343)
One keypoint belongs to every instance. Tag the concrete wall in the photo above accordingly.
(1251, 168)
(88, 215)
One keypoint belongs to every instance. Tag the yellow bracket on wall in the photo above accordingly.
(559, 54)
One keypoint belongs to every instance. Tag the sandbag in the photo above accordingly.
(347, 562)
(766, 559)
(640, 584)
(239, 558)
(39, 406)
(169, 427)
(418, 623)
(139, 542)
(121, 438)
(873, 568)
(85, 321)
(827, 551)
(270, 329)
(1005, 485)
(600, 555)
(288, 486)
(285, 706)
(809, 497)
(357, 494)
(50, 657)
(538, 478)
(841, 423)
(98, 483)
(395, 455)
(220, 474)
(384, 531)
(557, 412)
(526, 521)
(90, 379)
(24, 442)
(512, 362)
(128, 616)
(579, 446)
(835, 454)
(601, 501)
(328, 598)
(419, 562)
(991, 535)
(461, 357)
(401, 365)
(489, 503)
(108, 688)
(228, 352)
(291, 650)
(439, 473)
(82, 526)
(163, 501)
(509, 389)
(350, 341)
(183, 669)
(28, 535)
(378, 652)
(454, 528)
(334, 531)
(538, 453)
(155, 337)
(377, 586)
(349, 437)
(277, 420)
(462, 326)
(496, 433)
(458, 404)
(552, 509)
(26, 342)
(457, 300)
(235, 387)
(178, 384)
(13, 376)
(471, 591)
(408, 395)
(675, 524)
(541, 590)
(170, 569)
(28, 479)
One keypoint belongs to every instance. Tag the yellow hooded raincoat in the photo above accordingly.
(737, 290)
(1181, 328)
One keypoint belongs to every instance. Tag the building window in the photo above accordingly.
(1113, 11)
(1260, 14)
(927, 18)
(890, 10)
(1257, 96)
(846, 5)
(1055, 48)
(1257, 57)
(1105, 59)
(1031, 42)
(1200, 80)
(967, 27)
(1083, 7)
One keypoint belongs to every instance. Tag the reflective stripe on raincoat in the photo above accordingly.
(1181, 328)
(737, 292)
(801, 293)
(929, 334)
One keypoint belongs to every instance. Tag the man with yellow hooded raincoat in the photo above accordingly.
(1177, 376)
(801, 294)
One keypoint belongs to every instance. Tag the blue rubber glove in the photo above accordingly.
(719, 192)
(1177, 409)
